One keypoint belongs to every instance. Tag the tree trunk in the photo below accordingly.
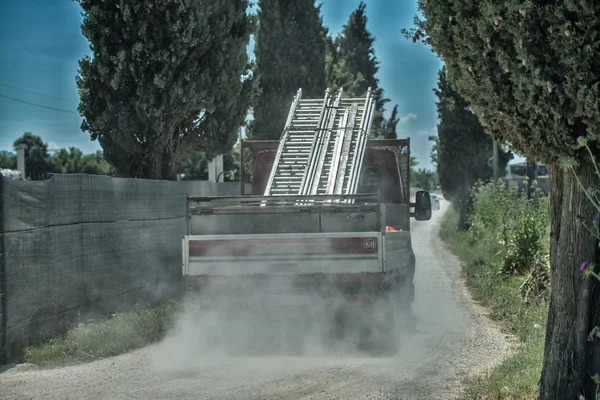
(164, 168)
(158, 168)
(169, 172)
(569, 358)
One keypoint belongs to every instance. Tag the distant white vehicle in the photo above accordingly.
(435, 201)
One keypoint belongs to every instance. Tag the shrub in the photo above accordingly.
(106, 338)
(515, 227)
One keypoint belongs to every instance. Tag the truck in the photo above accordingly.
(328, 217)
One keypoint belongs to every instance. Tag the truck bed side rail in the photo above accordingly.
(248, 200)
(247, 215)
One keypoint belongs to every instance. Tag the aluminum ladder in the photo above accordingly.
(304, 121)
(322, 147)
(342, 163)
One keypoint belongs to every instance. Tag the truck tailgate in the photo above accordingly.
(291, 253)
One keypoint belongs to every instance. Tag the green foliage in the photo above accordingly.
(352, 65)
(106, 338)
(463, 148)
(194, 167)
(39, 163)
(290, 54)
(8, 161)
(593, 194)
(527, 68)
(424, 179)
(516, 377)
(434, 152)
(166, 77)
(388, 129)
(73, 161)
(507, 222)
(37, 159)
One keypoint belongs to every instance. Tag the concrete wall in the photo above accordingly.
(91, 244)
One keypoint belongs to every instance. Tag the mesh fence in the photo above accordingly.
(89, 243)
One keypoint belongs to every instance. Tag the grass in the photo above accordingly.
(517, 376)
(106, 338)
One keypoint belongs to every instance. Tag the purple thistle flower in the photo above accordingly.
(579, 139)
(584, 266)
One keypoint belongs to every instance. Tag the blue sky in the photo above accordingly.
(41, 43)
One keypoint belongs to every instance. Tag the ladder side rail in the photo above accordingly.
(363, 150)
(347, 141)
(360, 143)
(282, 142)
(315, 148)
(296, 152)
(326, 142)
(335, 160)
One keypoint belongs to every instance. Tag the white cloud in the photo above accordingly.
(408, 117)
(53, 146)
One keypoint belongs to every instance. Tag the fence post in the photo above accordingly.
(3, 284)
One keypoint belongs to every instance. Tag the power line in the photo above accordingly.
(37, 105)
(34, 93)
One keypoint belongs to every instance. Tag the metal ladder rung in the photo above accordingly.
(294, 147)
(307, 112)
(294, 158)
(302, 136)
(304, 123)
(282, 190)
(311, 101)
(311, 145)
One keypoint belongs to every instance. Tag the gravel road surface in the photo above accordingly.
(452, 340)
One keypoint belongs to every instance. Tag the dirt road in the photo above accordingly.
(451, 341)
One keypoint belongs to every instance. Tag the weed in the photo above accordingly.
(517, 376)
(106, 338)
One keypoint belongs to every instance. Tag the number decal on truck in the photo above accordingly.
(370, 244)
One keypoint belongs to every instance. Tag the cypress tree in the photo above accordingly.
(354, 65)
(165, 80)
(290, 54)
(463, 148)
(530, 71)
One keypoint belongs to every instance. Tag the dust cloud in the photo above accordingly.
(277, 318)
(275, 314)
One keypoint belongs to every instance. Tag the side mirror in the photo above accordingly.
(422, 206)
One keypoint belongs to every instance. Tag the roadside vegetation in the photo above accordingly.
(111, 336)
(506, 266)
(496, 57)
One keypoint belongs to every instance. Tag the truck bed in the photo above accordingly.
(311, 244)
